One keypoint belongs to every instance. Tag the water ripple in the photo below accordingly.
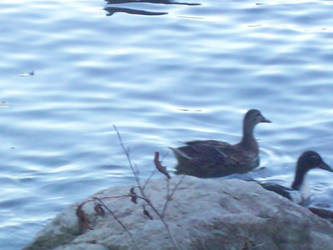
(190, 73)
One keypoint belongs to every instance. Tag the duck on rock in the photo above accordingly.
(300, 191)
(211, 158)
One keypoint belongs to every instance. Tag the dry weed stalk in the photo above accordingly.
(161, 169)
(101, 208)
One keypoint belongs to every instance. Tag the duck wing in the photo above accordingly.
(210, 150)
(206, 158)
(276, 188)
(289, 193)
(195, 148)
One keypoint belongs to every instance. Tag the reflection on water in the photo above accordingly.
(152, 1)
(113, 10)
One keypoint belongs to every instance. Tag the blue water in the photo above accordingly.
(163, 73)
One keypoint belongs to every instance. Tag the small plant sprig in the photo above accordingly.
(135, 194)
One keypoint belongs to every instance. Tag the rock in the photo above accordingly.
(203, 214)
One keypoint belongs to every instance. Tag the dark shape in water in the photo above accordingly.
(112, 10)
(150, 1)
(213, 158)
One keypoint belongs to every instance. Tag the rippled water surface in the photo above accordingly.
(163, 72)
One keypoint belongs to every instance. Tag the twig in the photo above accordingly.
(141, 188)
(146, 213)
(126, 152)
(115, 217)
(148, 179)
(85, 223)
(169, 197)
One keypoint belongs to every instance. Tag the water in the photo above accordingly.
(163, 73)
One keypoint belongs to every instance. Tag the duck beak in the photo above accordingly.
(263, 119)
(324, 166)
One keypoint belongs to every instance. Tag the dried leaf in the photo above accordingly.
(99, 210)
(159, 167)
(146, 213)
(133, 195)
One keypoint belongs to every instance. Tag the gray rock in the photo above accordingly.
(203, 214)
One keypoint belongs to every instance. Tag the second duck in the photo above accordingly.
(211, 158)
(300, 190)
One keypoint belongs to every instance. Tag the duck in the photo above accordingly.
(299, 192)
(212, 158)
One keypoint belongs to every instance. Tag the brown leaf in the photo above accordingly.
(99, 210)
(146, 213)
(133, 195)
(159, 167)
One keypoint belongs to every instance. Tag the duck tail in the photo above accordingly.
(184, 161)
(180, 155)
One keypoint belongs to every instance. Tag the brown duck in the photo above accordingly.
(213, 158)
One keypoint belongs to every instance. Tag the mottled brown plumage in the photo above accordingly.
(213, 158)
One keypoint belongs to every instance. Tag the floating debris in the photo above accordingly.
(31, 73)
(112, 10)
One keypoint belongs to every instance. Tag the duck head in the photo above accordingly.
(307, 161)
(253, 117)
(311, 160)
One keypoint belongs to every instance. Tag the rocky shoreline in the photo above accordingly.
(202, 214)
